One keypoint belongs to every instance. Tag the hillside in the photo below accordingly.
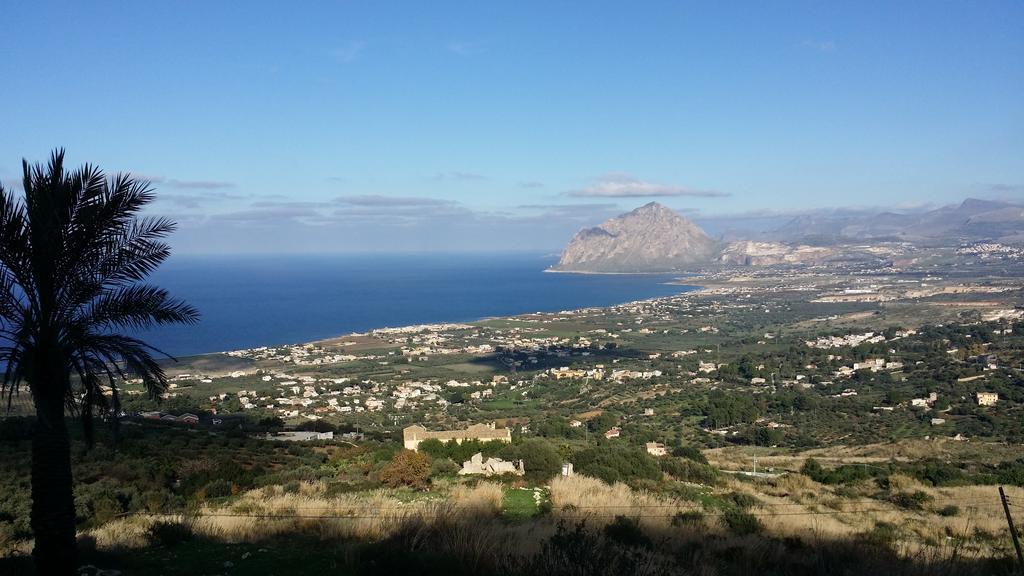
(750, 253)
(777, 421)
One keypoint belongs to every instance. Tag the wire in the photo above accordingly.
(558, 516)
(973, 502)
(563, 513)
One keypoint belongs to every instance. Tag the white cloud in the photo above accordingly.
(381, 200)
(163, 181)
(463, 48)
(820, 45)
(348, 53)
(626, 186)
(459, 176)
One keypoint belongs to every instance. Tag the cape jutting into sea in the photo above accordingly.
(250, 301)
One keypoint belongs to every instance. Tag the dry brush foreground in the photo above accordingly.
(788, 525)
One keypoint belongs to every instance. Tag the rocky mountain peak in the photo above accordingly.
(651, 238)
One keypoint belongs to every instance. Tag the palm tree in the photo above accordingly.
(74, 253)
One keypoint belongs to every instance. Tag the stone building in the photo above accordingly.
(490, 467)
(413, 435)
(987, 398)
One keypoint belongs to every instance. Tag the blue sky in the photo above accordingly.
(345, 126)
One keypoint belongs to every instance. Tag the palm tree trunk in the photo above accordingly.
(53, 500)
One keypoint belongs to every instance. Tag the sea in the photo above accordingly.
(251, 301)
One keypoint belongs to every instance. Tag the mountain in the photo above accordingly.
(652, 238)
(970, 220)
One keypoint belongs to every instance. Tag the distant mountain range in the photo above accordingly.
(655, 238)
(971, 220)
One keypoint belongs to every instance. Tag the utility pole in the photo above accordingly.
(1013, 530)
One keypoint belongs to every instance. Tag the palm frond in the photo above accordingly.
(74, 256)
(138, 307)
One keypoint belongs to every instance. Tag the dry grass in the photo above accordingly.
(976, 526)
(127, 532)
(486, 497)
(581, 498)
(466, 520)
(271, 512)
(908, 450)
(796, 506)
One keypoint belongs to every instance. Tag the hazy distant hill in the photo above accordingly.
(652, 238)
(752, 253)
(970, 220)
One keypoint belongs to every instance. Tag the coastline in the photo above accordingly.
(278, 301)
(695, 288)
(594, 273)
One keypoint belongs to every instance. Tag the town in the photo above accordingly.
(803, 331)
(754, 394)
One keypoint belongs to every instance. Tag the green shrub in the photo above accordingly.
(883, 535)
(812, 469)
(581, 551)
(727, 409)
(761, 436)
(101, 501)
(457, 452)
(104, 510)
(1011, 472)
(612, 463)
(689, 470)
(742, 523)
(741, 500)
(540, 459)
(627, 531)
(689, 518)
(217, 489)
(845, 474)
(912, 501)
(155, 501)
(170, 532)
(605, 473)
(443, 467)
(338, 488)
(689, 453)
(940, 473)
(950, 510)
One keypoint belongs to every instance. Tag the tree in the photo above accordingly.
(616, 463)
(813, 470)
(317, 426)
(764, 436)
(690, 453)
(540, 459)
(602, 422)
(74, 254)
(725, 410)
(407, 468)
